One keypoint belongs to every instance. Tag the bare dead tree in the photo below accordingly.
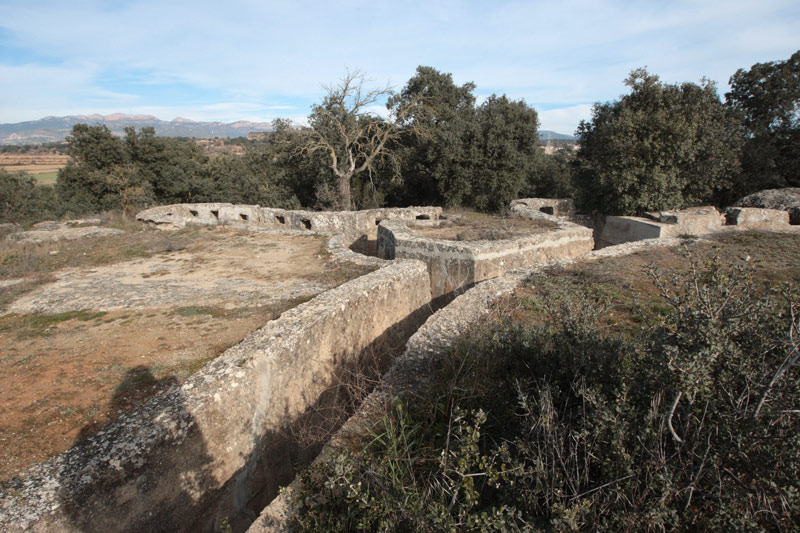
(354, 137)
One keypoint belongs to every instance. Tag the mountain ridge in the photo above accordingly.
(549, 135)
(56, 129)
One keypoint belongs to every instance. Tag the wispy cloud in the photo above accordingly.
(256, 60)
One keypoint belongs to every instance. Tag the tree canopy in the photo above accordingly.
(767, 100)
(662, 146)
(353, 138)
(462, 154)
(140, 169)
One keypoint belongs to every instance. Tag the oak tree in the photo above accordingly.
(348, 131)
(767, 99)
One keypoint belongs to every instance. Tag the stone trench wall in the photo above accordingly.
(410, 374)
(691, 221)
(219, 446)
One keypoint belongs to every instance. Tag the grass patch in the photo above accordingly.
(45, 178)
(27, 259)
(28, 326)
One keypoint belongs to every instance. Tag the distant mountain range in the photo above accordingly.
(56, 129)
(547, 135)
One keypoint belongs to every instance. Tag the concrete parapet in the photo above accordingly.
(454, 265)
(352, 225)
(690, 220)
(218, 446)
(755, 218)
(408, 376)
(560, 207)
(618, 230)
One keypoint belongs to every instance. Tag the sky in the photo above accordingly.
(260, 59)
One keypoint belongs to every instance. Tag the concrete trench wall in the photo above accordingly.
(559, 207)
(217, 448)
(410, 374)
(456, 265)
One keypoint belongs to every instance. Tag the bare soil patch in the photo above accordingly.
(468, 226)
(105, 323)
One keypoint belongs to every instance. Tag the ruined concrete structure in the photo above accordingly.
(691, 221)
(355, 227)
(219, 446)
(456, 265)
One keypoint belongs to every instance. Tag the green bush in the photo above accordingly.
(23, 201)
(692, 425)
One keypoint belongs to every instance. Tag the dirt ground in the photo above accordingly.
(84, 344)
(628, 292)
(469, 226)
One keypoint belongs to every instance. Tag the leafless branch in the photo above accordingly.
(671, 414)
(788, 362)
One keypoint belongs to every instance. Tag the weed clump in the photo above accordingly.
(568, 425)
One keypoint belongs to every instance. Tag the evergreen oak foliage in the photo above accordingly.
(23, 201)
(662, 146)
(767, 100)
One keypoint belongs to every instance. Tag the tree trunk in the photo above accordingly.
(344, 193)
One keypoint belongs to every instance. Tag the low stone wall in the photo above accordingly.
(661, 224)
(755, 218)
(455, 265)
(352, 225)
(409, 375)
(219, 446)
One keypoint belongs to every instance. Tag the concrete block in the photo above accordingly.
(755, 218)
(559, 207)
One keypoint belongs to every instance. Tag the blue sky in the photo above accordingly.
(258, 60)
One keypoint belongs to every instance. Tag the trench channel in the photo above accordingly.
(284, 453)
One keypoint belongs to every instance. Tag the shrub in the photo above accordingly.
(692, 425)
(660, 147)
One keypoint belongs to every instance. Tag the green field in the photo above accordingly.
(48, 178)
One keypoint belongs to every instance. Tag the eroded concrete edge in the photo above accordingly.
(457, 265)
